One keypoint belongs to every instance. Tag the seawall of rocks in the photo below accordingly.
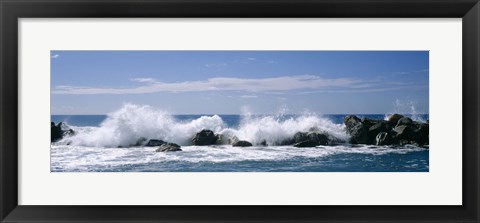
(396, 130)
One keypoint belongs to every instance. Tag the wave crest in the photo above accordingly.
(127, 125)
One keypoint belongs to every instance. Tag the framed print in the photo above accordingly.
(239, 111)
(227, 123)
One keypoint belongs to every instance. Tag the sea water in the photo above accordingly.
(103, 143)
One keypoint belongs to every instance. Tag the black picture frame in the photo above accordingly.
(12, 10)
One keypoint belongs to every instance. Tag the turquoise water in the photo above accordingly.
(97, 147)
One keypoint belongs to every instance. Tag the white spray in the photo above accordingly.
(132, 122)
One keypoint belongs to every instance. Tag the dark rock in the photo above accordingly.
(374, 130)
(398, 129)
(299, 137)
(403, 132)
(369, 122)
(420, 133)
(264, 143)
(306, 143)
(155, 142)
(204, 138)
(357, 130)
(315, 137)
(359, 135)
(394, 118)
(168, 147)
(318, 138)
(242, 143)
(383, 138)
(405, 121)
(57, 132)
(380, 126)
(407, 142)
(415, 134)
(351, 120)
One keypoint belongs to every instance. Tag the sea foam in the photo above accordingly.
(127, 125)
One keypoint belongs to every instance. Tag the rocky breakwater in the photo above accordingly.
(311, 138)
(396, 130)
(168, 147)
(208, 137)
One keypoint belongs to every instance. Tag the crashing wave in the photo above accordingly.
(127, 125)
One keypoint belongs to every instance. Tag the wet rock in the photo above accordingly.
(420, 133)
(405, 121)
(394, 118)
(383, 138)
(407, 142)
(314, 137)
(306, 143)
(242, 143)
(369, 122)
(403, 132)
(154, 142)
(374, 130)
(168, 147)
(264, 143)
(204, 138)
(398, 130)
(55, 132)
(299, 137)
(318, 138)
(59, 131)
(351, 120)
(356, 129)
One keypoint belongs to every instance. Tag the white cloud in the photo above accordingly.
(421, 70)
(410, 72)
(144, 80)
(267, 85)
(251, 58)
(54, 56)
(369, 90)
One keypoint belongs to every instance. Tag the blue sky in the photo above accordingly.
(230, 82)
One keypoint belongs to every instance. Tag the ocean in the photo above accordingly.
(103, 143)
